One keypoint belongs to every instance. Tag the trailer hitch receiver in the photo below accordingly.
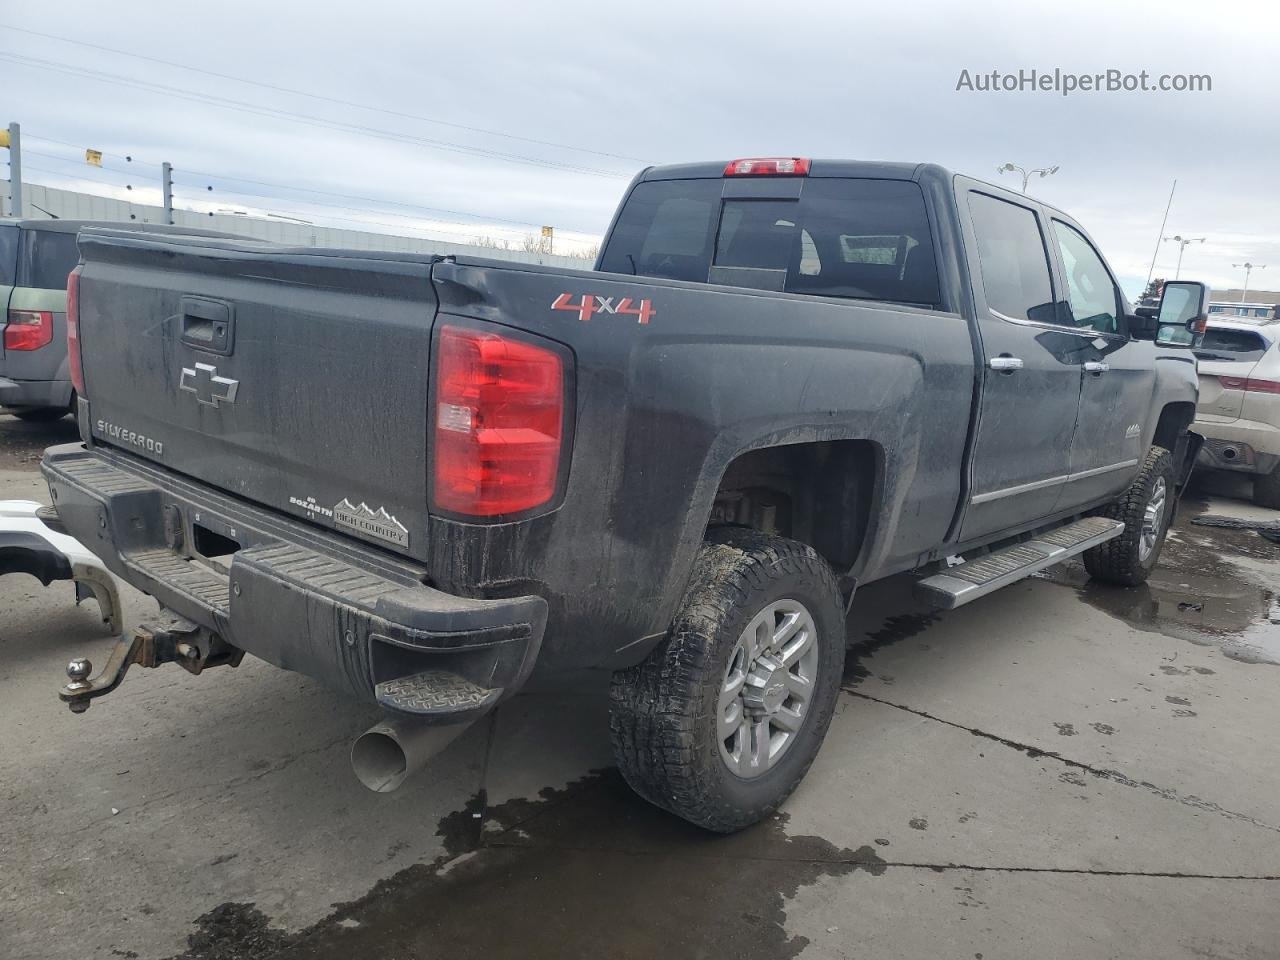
(170, 639)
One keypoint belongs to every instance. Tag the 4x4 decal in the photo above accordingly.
(590, 305)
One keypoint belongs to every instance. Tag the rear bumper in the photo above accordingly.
(34, 393)
(1247, 446)
(303, 599)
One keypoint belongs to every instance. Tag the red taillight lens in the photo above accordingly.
(73, 332)
(768, 167)
(498, 424)
(28, 330)
(1249, 384)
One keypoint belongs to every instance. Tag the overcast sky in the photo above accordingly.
(638, 83)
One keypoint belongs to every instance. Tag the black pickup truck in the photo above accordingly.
(422, 479)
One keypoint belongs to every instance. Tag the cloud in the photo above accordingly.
(671, 81)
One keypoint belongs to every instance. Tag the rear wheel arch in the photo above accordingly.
(818, 492)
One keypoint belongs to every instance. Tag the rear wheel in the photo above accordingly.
(722, 721)
(1146, 509)
(1266, 489)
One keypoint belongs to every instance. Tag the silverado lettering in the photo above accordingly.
(113, 431)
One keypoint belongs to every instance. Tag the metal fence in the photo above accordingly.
(40, 200)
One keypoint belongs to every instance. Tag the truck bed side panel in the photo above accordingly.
(664, 406)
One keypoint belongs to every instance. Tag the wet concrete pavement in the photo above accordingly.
(1058, 770)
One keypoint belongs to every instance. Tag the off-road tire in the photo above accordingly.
(1119, 560)
(1266, 489)
(664, 711)
(40, 414)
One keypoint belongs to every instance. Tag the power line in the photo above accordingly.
(228, 103)
(53, 156)
(77, 176)
(317, 96)
(130, 158)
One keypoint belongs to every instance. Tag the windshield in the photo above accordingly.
(859, 239)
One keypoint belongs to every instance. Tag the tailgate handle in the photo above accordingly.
(208, 325)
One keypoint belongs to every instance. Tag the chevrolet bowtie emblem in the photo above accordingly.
(204, 382)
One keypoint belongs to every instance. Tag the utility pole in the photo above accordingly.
(166, 190)
(1183, 243)
(1248, 268)
(15, 170)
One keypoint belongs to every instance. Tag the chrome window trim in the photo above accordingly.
(1061, 327)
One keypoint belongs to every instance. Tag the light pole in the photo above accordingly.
(1248, 269)
(1183, 243)
(1027, 174)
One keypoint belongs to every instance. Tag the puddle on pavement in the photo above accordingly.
(1197, 593)
(590, 870)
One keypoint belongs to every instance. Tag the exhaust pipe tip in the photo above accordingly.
(378, 760)
(390, 752)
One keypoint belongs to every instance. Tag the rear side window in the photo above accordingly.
(8, 255)
(46, 258)
(1013, 259)
(1219, 344)
(665, 230)
(871, 241)
(858, 239)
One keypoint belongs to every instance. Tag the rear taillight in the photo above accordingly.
(498, 424)
(28, 330)
(768, 167)
(1249, 384)
(73, 332)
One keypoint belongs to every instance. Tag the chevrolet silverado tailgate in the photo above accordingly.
(292, 377)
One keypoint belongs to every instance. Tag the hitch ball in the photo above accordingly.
(78, 671)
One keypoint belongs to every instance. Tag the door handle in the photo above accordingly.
(1005, 363)
(208, 325)
(1096, 367)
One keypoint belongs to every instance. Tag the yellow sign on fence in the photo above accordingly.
(93, 157)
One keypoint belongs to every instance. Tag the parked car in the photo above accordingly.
(35, 258)
(1239, 410)
(420, 479)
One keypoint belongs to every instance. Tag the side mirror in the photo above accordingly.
(1143, 323)
(1184, 303)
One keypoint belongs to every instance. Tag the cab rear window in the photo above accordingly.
(1220, 344)
(852, 238)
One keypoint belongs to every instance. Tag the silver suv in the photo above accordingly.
(1239, 409)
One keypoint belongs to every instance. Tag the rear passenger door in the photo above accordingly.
(1031, 367)
(1118, 382)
